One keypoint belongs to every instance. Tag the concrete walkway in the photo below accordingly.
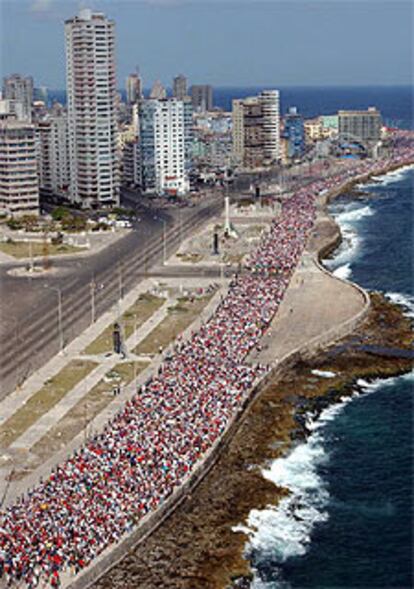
(34, 433)
(20, 449)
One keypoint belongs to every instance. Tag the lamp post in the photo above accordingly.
(93, 287)
(164, 238)
(60, 327)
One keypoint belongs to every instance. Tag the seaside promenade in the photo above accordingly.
(243, 316)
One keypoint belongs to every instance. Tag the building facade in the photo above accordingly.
(20, 89)
(294, 133)
(363, 125)
(202, 97)
(163, 165)
(19, 184)
(133, 88)
(255, 133)
(180, 87)
(91, 103)
(53, 154)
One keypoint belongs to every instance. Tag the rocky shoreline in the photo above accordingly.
(196, 547)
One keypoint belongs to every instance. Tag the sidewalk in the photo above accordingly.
(21, 447)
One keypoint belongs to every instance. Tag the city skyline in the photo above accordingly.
(295, 43)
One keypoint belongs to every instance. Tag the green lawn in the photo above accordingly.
(85, 410)
(177, 320)
(136, 315)
(42, 401)
(21, 249)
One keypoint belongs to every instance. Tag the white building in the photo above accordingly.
(91, 103)
(53, 154)
(162, 146)
(19, 89)
(133, 88)
(269, 100)
(19, 186)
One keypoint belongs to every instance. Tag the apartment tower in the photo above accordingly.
(19, 185)
(19, 89)
(91, 104)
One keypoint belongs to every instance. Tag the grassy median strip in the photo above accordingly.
(178, 319)
(41, 402)
(21, 249)
(134, 317)
(86, 409)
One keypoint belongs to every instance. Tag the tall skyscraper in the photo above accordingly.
(20, 89)
(158, 91)
(202, 97)
(269, 100)
(19, 185)
(180, 87)
(133, 88)
(91, 103)
(162, 146)
(294, 133)
(256, 130)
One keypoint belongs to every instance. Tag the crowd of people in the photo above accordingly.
(149, 449)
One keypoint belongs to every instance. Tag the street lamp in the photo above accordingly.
(59, 293)
(164, 238)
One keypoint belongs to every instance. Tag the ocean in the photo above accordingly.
(348, 521)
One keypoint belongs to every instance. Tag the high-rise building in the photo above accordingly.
(158, 92)
(362, 125)
(180, 87)
(202, 97)
(294, 133)
(256, 130)
(162, 146)
(91, 103)
(19, 186)
(269, 101)
(133, 88)
(20, 89)
(53, 153)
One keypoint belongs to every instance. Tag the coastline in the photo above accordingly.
(210, 554)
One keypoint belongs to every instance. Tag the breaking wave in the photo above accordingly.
(284, 531)
(347, 218)
(405, 301)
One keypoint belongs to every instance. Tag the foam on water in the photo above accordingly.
(285, 531)
(391, 177)
(347, 218)
(404, 300)
(323, 373)
(344, 272)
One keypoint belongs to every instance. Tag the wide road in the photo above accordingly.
(29, 321)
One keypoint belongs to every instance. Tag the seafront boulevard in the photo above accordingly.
(187, 551)
(306, 272)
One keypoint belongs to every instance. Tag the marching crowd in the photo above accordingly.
(103, 490)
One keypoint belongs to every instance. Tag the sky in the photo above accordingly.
(224, 42)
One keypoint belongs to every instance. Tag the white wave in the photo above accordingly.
(351, 241)
(285, 531)
(404, 300)
(379, 383)
(394, 176)
(344, 272)
(323, 373)
(354, 214)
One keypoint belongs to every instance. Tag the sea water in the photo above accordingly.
(348, 520)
